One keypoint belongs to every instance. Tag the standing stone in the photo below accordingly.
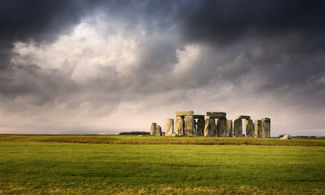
(266, 127)
(179, 126)
(209, 127)
(200, 127)
(153, 129)
(249, 128)
(169, 127)
(222, 127)
(229, 128)
(238, 130)
(189, 126)
(158, 131)
(257, 128)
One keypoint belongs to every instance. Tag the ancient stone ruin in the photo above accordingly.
(214, 124)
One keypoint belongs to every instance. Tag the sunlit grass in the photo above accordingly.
(65, 168)
(132, 139)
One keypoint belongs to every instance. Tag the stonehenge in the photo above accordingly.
(158, 131)
(222, 127)
(229, 128)
(266, 127)
(249, 128)
(213, 124)
(169, 127)
(155, 130)
(199, 124)
(257, 128)
(238, 129)
(189, 125)
(209, 128)
(179, 125)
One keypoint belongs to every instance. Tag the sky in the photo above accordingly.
(101, 66)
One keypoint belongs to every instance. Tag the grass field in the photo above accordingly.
(130, 164)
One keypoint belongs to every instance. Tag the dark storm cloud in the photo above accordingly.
(225, 21)
(38, 20)
(260, 48)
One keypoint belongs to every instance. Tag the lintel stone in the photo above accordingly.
(244, 117)
(185, 113)
(198, 116)
(216, 114)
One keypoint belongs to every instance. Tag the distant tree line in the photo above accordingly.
(135, 133)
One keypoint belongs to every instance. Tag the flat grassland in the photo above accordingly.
(72, 164)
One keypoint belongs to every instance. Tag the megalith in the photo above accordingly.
(209, 127)
(216, 114)
(229, 128)
(238, 130)
(158, 131)
(189, 125)
(257, 128)
(249, 128)
(222, 127)
(169, 127)
(244, 117)
(285, 137)
(266, 127)
(199, 125)
(153, 129)
(179, 127)
(184, 113)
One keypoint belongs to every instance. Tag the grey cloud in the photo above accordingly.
(261, 49)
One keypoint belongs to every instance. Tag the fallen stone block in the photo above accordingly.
(285, 137)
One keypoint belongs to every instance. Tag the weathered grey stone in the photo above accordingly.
(153, 129)
(184, 113)
(200, 126)
(222, 127)
(249, 128)
(189, 126)
(198, 116)
(169, 127)
(216, 114)
(238, 130)
(158, 131)
(209, 128)
(244, 117)
(229, 128)
(257, 128)
(285, 137)
(266, 127)
(179, 129)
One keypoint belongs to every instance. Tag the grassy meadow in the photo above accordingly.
(70, 164)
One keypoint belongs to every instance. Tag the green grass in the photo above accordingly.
(131, 139)
(29, 167)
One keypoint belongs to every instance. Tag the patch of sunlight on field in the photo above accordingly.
(82, 168)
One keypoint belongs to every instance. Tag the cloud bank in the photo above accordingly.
(110, 66)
